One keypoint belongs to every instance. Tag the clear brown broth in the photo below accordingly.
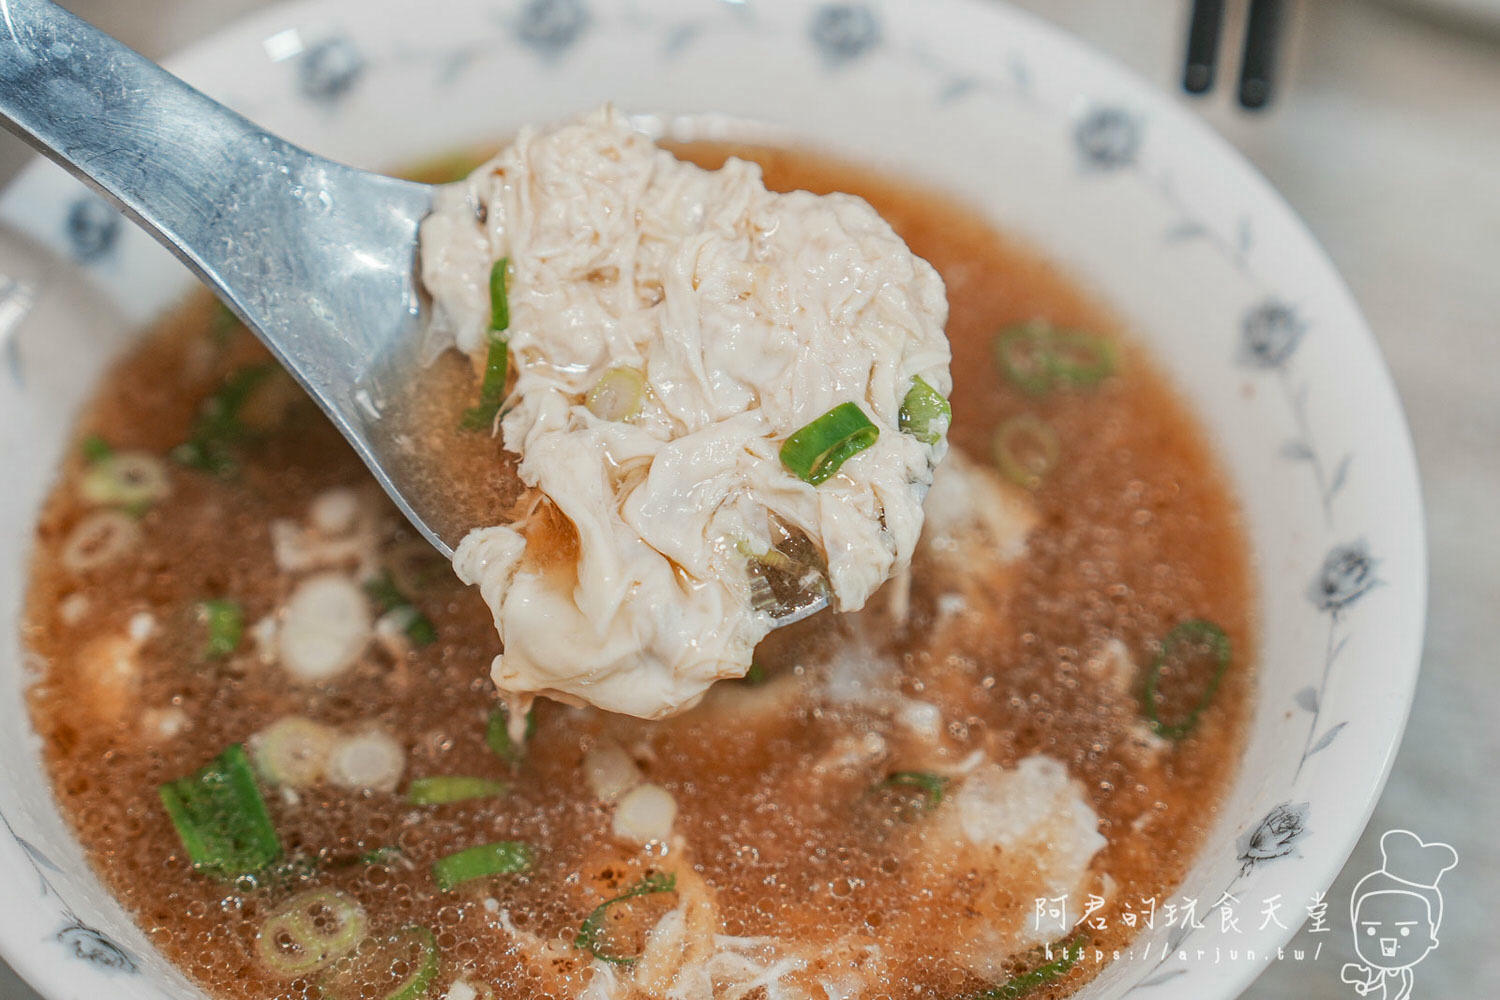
(1138, 531)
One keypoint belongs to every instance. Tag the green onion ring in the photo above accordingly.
(932, 786)
(376, 958)
(225, 621)
(443, 789)
(593, 925)
(504, 857)
(925, 414)
(1026, 449)
(815, 453)
(1195, 630)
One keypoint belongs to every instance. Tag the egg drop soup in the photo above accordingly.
(265, 707)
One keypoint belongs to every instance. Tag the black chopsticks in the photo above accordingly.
(1257, 62)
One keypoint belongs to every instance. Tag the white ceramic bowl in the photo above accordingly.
(1109, 177)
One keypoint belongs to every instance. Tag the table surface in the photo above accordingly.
(1385, 140)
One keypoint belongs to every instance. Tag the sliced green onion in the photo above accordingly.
(225, 621)
(497, 735)
(399, 966)
(1038, 358)
(133, 480)
(815, 452)
(591, 932)
(383, 591)
(1079, 358)
(1021, 352)
(1026, 449)
(756, 675)
(499, 299)
(379, 856)
(311, 930)
(504, 857)
(223, 323)
(293, 751)
(491, 388)
(221, 817)
(1193, 647)
(95, 449)
(925, 414)
(617, 395)
(1022, 984)
(932, 786)
(218, 429)
(497, 357)
(452, 788)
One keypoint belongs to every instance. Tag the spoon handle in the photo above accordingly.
(273, 229)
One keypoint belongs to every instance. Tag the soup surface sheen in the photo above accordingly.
(818, 843)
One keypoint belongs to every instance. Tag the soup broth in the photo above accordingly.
(815, 803)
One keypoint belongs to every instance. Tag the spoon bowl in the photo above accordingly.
(317, 258)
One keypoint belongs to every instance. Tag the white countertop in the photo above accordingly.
(1386, 138)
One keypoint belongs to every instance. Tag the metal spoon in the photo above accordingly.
(317, 258)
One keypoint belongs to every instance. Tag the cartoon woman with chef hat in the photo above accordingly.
(1396, 912)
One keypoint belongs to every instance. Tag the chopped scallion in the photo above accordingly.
(380, 856)
(309, 931)
(756, 675)
(211, 443)
(225, 621)
(447, 788)
(95, 448)
(131, 480)
(932, 786)
(617, 395)
(497, 357)
(1067, 955)
(1038, 357)
(504, 857)
(1078, 358)
(399, 966)
(591, 932)
(816, 452)
(499, 299)
(497, 735)
(925, 414)
(1021, 352)
(221, 817)
(388, 597)
(491, 388)
(1026, 449)
(1196, 650)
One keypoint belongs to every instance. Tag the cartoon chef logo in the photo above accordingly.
(1396, 912)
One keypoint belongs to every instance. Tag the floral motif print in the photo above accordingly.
(1274, 837)
(552, 26)
(1271, 333)
(1108, 138)
(93, 229)
(844, 31)
(79, 938)
(91, 946)
(1348, 574)
(329, 69)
